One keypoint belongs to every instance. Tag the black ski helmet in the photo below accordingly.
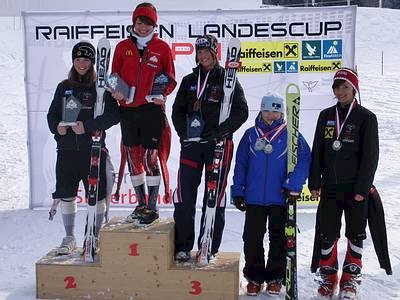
(209, 42)
(84, 49)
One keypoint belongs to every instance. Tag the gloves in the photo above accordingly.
(210, 135)
(216, 133)
(239, 203)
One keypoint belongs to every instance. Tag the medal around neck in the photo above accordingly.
(260, 144)
(268, 148)
(70, 111)
(336, 145)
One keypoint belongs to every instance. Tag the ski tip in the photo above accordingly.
(292, 89)
(88, 259)
(202, 261)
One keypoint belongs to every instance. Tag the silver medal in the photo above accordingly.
(337, 145)
(268, 148)
(259, 145)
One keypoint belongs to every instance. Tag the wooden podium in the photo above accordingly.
(136, 263)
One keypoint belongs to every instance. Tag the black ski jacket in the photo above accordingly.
(87, 95)
(210, 104)
(356, 161)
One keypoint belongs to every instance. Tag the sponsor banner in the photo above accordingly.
(250, 67)
(320, 66)
(269, 51)
(280, 46)
(332, 49)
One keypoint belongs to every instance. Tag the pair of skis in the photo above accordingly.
(102, 64)
(213, 182)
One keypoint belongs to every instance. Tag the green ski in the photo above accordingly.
(293, 114)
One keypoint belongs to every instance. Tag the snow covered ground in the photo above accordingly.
(26, 235)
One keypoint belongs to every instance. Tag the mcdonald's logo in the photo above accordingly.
(128, 52)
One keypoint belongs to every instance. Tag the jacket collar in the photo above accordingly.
(265, 127)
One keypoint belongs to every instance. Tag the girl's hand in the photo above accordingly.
(118, 96)
(314, 193)
(358, 197)
(62, 130)
(78, 128)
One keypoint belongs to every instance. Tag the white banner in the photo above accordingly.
(279, 46)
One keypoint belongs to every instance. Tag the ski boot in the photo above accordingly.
(348, 286)
(327, 285)
(140, 191)
(68, 245)
(136, 214)
(148, 216)
(254, 288)
(182, 256)
(274, 288)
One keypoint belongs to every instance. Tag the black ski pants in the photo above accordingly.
(253, 238)
(194, 157)
(335, 200)
(142, 125)
(72, 166)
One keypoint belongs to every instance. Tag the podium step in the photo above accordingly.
(136, 263)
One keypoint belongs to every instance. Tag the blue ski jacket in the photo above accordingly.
(260, 177)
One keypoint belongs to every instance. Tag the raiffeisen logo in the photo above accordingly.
(240, 30)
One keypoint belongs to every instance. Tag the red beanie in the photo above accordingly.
(347, 75)
(144, 12)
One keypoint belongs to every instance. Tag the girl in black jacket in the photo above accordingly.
(195, 115)
(74, 141)
(344, 160)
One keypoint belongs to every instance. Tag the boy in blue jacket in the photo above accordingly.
(260, 186)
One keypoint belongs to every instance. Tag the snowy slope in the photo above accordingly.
(27, 235)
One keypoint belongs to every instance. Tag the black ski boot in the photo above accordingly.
(150, 214)
(137, 212)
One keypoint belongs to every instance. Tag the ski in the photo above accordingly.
(93, 181)
(293, 114)
(102, 63)
(231, 67)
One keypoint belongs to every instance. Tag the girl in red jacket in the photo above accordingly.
(139, 60)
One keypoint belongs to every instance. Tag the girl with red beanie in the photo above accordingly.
(344, 160)
(139, 60)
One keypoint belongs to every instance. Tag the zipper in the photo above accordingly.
(76, 141)
(79, 94)
(141, 59)
(266, 177)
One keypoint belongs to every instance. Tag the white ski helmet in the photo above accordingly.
(272, 102)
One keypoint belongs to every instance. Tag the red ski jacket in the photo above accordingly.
(140, 71)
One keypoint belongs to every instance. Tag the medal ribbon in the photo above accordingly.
(278, 131)
(201, 87)
(339, 126)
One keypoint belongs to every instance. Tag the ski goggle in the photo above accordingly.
(202, 42)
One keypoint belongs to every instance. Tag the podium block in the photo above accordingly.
(136, 263)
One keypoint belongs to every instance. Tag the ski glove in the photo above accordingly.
(239, 203)
(214, 134)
